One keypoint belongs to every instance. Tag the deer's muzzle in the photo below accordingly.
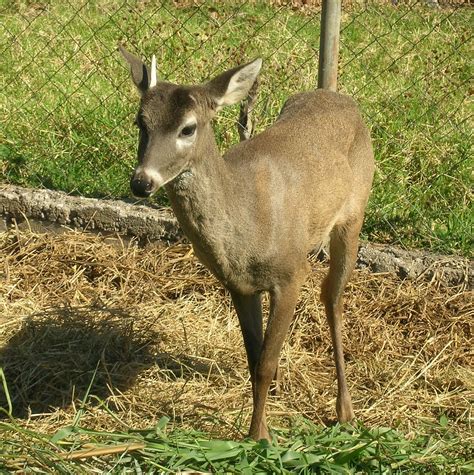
(142, 185)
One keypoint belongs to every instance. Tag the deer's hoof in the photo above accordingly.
(260, 433)
(344, 410)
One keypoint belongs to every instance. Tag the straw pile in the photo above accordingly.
(129, 334)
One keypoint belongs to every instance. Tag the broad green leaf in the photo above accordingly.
(62, 434)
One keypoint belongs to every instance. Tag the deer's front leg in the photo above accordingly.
(249, 311)
(282, 306)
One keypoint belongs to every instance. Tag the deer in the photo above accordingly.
(254, 214)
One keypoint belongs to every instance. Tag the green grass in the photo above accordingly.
(305, 449)
(67, 103)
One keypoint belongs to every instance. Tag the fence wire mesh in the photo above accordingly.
(68, 104)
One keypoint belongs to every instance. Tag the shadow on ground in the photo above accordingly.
(63, 354)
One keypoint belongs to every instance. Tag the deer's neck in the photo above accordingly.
(202, 201)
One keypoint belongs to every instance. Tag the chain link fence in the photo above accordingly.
(68, 104)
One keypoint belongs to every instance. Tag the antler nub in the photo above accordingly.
(153, 72)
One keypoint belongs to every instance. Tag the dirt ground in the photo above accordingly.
(127, 334)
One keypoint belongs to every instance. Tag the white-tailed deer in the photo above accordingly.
(255, 214)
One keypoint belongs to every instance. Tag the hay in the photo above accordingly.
(120, 335)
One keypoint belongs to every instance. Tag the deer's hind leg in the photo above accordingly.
(344, 240)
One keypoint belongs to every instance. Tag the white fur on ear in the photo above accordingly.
(153, 72)
(240, 83)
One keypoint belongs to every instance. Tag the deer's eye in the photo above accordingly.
(188, 130)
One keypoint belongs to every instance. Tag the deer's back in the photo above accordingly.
(311, 130)
(318, 146)
(315, 125)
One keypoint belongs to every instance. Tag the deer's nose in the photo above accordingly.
(142, 186)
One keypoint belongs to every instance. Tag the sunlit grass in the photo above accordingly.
(306, 449)
(67, 102)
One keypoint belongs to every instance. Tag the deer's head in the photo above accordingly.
(174, 121)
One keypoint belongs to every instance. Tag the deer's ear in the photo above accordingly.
(232, 86)
(142, 76)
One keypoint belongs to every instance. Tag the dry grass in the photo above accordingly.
(148, 332)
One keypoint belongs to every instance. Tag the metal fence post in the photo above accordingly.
(329, 44)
